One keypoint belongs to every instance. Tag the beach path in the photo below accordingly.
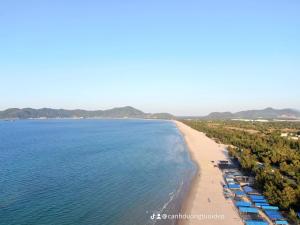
(206, 200)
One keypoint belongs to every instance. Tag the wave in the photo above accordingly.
(171, 206)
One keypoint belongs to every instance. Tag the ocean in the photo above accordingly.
(91, 172)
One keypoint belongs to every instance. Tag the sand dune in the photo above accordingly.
(206, 202)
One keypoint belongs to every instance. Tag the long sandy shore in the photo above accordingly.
(206, 202)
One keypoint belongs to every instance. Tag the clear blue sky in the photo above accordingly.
(183, 57)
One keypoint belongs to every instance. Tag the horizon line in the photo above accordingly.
(118, 107)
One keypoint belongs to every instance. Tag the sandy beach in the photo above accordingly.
(206, 195)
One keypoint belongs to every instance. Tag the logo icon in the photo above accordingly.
(155, 216)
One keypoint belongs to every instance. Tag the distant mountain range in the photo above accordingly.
(130, 112)
(122, 112)
(267, 113)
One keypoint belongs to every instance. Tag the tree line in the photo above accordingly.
(273, 160)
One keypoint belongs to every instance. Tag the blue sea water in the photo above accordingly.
(90, 172)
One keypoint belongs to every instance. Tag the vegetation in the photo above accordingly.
(262, 151)
(127, 111)
(267, 113)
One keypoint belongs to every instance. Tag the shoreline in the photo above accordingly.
(205, 197)
(186, 205)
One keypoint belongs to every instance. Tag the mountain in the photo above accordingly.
(267, 113)
(130, 112)
(122, 112)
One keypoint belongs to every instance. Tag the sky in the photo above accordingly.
(182, 57)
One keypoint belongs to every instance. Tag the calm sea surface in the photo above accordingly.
(90, 172)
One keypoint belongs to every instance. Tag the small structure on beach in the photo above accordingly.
(248, 210)
(258, 199)
(249, 190)
(239, 193)
(260, 204)
(242, 204)
(224, 164)
(242, 178)
(249, 213)
(229, 180)
(234, 186)
(274, 215)
(256, 222)
(269, 207)
(283, 222)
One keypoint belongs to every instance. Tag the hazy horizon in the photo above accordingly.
(150, 112)
(185, 58)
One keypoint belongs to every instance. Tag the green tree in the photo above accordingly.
(288, 197)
